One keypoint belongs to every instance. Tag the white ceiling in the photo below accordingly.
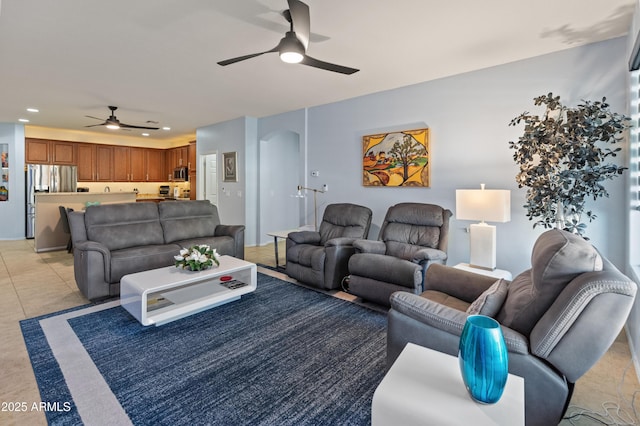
(156, 59)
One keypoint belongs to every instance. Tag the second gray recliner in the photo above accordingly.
(413, 236)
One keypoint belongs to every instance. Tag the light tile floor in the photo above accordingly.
(33, 284)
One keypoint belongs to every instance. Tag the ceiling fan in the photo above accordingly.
(113, 123)
(293, 46)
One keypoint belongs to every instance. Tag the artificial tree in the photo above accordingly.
(562, 159)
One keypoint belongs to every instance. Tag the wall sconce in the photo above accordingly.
(492, 205)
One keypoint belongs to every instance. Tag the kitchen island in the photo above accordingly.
(49, 233)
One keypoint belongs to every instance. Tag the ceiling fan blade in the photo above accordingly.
(95, 118)
(242, 58)
(94, 125)
(300, 21)
(131, 126)
(312, 62)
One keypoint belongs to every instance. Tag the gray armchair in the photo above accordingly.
(413, 236)
(558, 318)
(321, 258)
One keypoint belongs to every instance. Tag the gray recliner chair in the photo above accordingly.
(321, 258)
(558, 318)
(413, 236)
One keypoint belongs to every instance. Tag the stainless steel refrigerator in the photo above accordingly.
(46, 178)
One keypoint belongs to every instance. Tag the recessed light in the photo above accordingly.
(23, 120)
(145, 134)
(33, 110)
(166, 128)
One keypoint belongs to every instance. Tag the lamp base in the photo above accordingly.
(482, 239)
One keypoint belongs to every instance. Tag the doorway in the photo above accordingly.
(208, 180)
(279, 175)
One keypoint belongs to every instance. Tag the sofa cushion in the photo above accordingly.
(558, 257)
(411, 226)
(182, 220)
(137, 259)
(490, 301)
(124, 225)
(344, 220)
(308, 255)
(223, 245)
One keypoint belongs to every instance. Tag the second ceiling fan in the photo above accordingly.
(293, 46)
(113, 123)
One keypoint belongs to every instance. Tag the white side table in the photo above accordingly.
(284, 234)
(425, 387)
(496, 273)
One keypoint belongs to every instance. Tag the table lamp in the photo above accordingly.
(485, 205)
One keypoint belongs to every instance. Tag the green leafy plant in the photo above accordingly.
(562, 157)
(197, 258)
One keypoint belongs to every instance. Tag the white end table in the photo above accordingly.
(284, 235)
(425, 387)
(496, 273)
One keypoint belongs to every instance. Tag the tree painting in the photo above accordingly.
(396, 159)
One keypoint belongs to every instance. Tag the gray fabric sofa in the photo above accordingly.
(113, 240)
(558, 318)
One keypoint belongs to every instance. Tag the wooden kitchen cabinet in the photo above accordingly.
(86, 153)
(137, 165)
(129, 164)
(104, 163)
(63, 153)
(192, 163)
(37, 151)
(154, 160)
(121, 163)
(182, 156)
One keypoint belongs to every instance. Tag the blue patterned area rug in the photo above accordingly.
(283, 355)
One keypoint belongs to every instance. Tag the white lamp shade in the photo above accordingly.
(487, 205)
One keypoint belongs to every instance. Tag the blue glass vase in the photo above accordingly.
(482, 355)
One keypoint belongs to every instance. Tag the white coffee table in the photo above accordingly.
(425, 387)
(158, 296)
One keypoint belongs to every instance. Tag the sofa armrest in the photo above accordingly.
(93, 246)
(447, 319)
(237, 233)
(464, 285)
(429, 254)
(87, 245)
(370, 246)
(232, 231)
(340, 241)
(305, 237)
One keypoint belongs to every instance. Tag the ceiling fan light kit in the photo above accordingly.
(290, 48)
(293, 46)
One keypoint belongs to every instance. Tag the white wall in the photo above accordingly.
(13, 211)
(240, 136)
(468, 116)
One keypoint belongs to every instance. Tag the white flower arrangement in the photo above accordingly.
(197, 258)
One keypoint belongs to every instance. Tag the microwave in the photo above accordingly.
(180, 174)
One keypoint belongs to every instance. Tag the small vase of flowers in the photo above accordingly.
(197, 258)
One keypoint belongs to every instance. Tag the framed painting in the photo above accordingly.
(230, 167)
(396, 159)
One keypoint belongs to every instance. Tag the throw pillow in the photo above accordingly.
(558, 257)
(489, 302)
